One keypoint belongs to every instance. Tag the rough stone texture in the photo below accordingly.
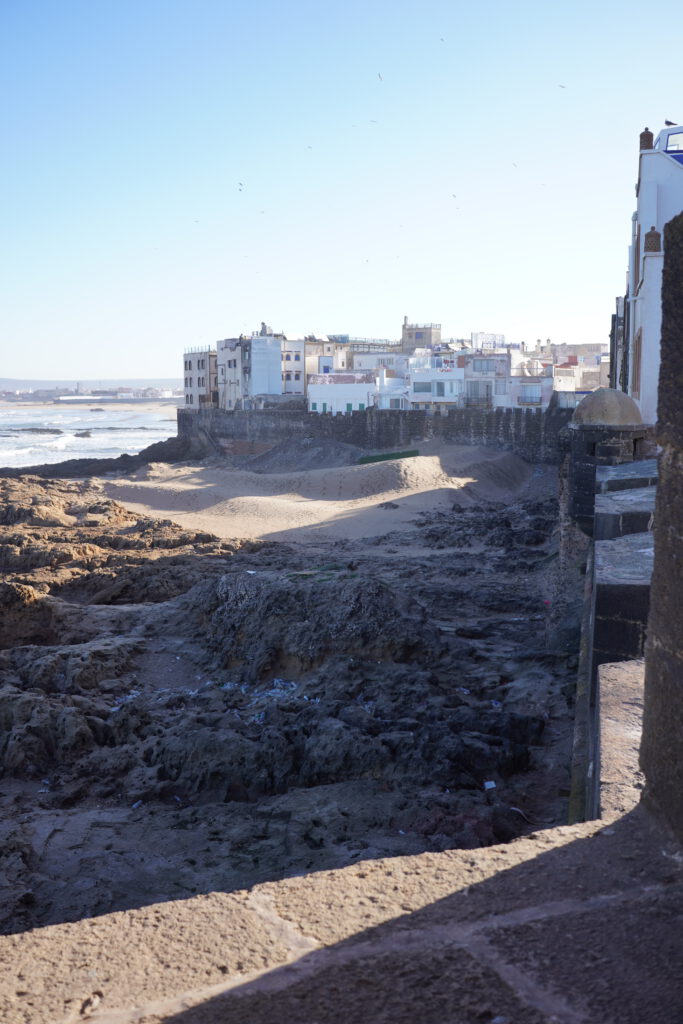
(623, 477)
(621, 512)
(620, 693)
(180, 714)
(591, 447)
(532, 434)
(607, 407)
(540, 931)
(662, 748)
(621, 595)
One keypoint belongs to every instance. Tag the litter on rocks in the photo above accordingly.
(489, 784)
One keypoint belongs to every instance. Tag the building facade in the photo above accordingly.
(247, 368)
(200, 386)
(419, 335)
(659, 192)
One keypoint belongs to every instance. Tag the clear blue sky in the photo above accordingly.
(467, 163)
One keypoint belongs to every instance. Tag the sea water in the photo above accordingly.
(38, 434)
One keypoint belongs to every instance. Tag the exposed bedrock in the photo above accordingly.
(361, 699)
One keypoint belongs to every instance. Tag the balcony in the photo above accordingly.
(477, 401)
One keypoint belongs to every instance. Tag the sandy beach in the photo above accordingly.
(327, 504)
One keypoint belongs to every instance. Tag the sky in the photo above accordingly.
(177, 171)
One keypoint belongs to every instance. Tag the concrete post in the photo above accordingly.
(661, 752)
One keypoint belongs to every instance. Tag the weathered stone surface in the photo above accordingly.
(181, 714)
(532, 434)
(642, 473)
(663, 721)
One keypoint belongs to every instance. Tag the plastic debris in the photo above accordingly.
(401, 832)
(496, 704)
(250, 572)
(134, 807)
(463, 689)
(489, 784)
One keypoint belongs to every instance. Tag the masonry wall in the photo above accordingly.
(532, 434)
(662, 746)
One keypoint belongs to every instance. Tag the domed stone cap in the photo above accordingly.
(606, 407)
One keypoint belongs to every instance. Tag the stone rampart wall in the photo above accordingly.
(662, 747)
(532, 434)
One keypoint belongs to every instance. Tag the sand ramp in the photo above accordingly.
(239, 502)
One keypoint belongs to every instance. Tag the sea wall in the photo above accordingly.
(662, 747)
(532, 434)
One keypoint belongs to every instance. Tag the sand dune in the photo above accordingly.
(342, 501)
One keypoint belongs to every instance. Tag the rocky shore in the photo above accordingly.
(183, 713)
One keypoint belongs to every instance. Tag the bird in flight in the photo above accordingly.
(380, 77)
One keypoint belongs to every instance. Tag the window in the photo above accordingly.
(287, 357)
(349, 406)
(297, 357)
(419, 334)
(297, 376)
(635, 373)
(288, 376)
(314, 406)
(394, 403)
(422, 386)
(361, 406)
(440, 388)
(530, 394)
(324, 406)
(500, 387)
(675, 142)
(483, 365)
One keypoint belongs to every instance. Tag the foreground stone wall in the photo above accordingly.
(532, 434)
(662, 746)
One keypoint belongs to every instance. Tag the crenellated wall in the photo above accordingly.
(532, 434)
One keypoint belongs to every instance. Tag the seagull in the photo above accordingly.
(562, 87)
(380, 77)
(670, 124)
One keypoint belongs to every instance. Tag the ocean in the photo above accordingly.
(38, 434)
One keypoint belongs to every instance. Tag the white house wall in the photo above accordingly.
(332, 397)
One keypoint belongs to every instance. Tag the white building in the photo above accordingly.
(393, 362)
(293, 366)
(325, 355)
(199, 377)
(341, 392)
(437, 382)
(248, 368)
(526, 391)
(659, 194)
(482, 340)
